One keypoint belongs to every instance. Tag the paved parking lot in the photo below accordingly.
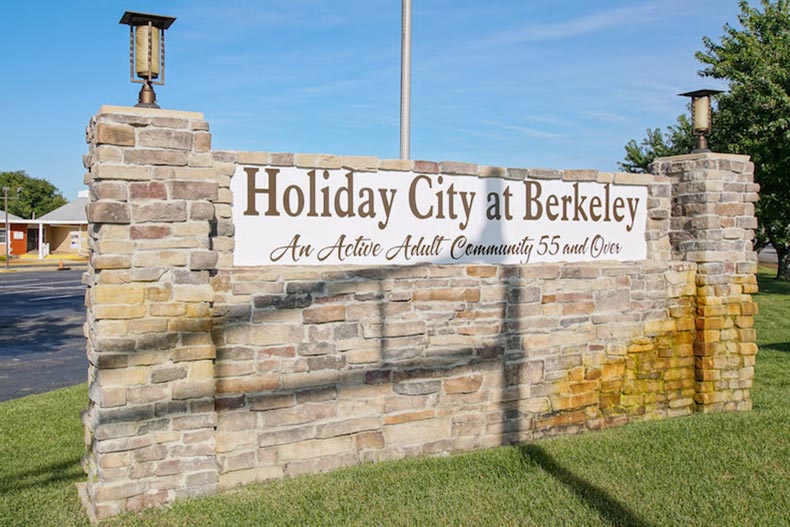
(41, 342)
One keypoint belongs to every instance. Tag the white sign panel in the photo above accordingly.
(296, 216)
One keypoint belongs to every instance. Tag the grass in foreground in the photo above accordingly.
(720, 469)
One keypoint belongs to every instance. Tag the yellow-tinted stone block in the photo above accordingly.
(118, 294)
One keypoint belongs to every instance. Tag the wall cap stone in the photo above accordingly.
(149, 112)
(702, 155)
(454, 168)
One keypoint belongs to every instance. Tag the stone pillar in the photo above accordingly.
(151, 418)
(713, 225)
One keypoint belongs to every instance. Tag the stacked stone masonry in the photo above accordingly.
(204, 376)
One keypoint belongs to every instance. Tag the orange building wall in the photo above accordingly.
(18, 246)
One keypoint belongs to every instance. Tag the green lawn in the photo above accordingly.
(720, 469)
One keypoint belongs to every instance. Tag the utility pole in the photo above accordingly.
(7, 225)
(405, 80)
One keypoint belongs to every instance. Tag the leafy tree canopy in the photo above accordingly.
(752, 118)
(38, 196)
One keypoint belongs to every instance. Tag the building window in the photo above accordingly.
(2, 236)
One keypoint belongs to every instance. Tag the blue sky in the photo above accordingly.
(530, 83)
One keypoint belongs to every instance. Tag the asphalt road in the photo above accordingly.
(42, 346)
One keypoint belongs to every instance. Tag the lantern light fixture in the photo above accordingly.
(701, 117)
(147, 53)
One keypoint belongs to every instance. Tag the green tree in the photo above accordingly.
(677, 139)
(755, 61)
(753, 117)
(38, 196)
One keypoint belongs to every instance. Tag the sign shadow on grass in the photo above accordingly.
(65, 471)
(610, 510)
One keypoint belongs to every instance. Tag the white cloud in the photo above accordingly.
(649, 12)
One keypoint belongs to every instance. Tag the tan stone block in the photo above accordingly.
(123, 376)
(191, 228)
(167, 309)
(114, 134)
(537, 405)
(114, 247)
(198, 310)
(159, 211)
(455, 167)
(310, 379)
(167, 374)
(347, 426)
(394, 329)
(447, 295)
(190, 324)
(361, 163)
(201, 142)
(147, 325)
(417, 432)
(539, 341)
(466, 384)
(613, 370)
(627, 178)
(370, 406)
(165, 138)
(408, 417)
(271, 402)
(489, 171)
(118, 294)
(141, 156)
(107, 154)
(119, 491)
(122, 172)
(190, 353)
(118, 312)
(253, 158)
(201, 370)
(111, 328)
(281, 437)
(306, 160)
(568, 402)
(146, 394)
(369, 440)
(194, 190)
(249, 383)
(564, 419)
(200, 159)
(399, 165)
(195, 173)
(363, 356)
(306, 413)
(234, 368)
(324, 314)
(316, 448)
(264, 335)
(481, 271)
(110, 190)
(115, 460)
(112, 397)
(113, 212)
(193, 389)
(193, 293)
(230, 441)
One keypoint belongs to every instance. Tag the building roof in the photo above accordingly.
(11, 217)
(71, 212)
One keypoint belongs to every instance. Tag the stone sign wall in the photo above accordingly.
(205, 375)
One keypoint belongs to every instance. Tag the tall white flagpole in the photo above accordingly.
(405, 81)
